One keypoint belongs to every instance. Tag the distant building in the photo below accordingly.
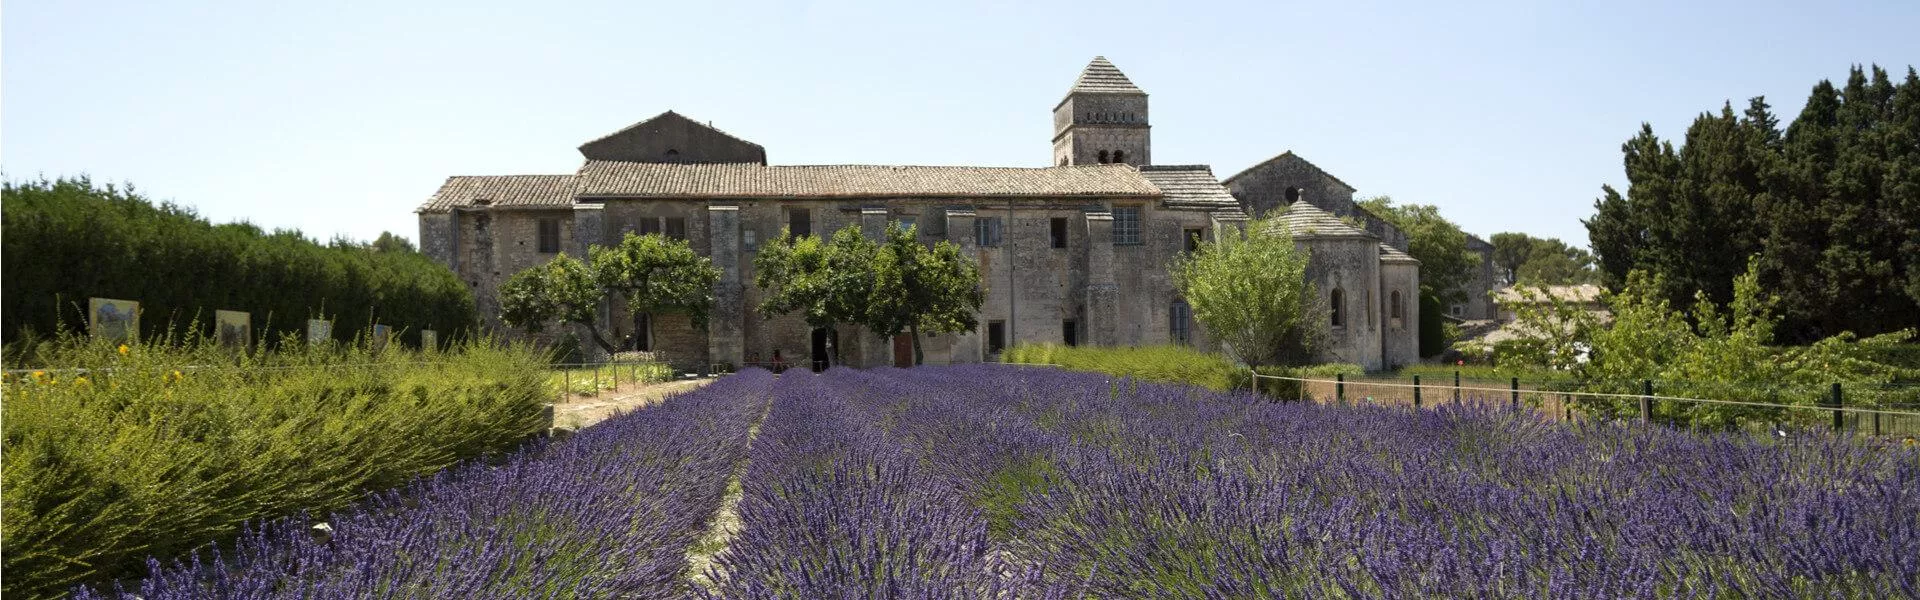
(1074, 253)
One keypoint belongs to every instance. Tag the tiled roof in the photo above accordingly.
(599, 178)
(1303, 160)
(1578, 294)
(670, 115)
(1189, 186)
(1389, 254)
(1305, 220)
(1101, 77)
(526, 191)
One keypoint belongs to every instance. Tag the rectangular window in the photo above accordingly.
(996, 336)
(907, 223)
(1459, 309)
(677, 228)
(746, 237)
(649, 225)
(1193, 237)
(549, 236)
(1126, 225)
(987, 231)
(1179, 322)
(1070, 332)
(1059, 229)
(800, 222)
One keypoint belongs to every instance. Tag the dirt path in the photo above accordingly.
(726, 522)
(584, 412)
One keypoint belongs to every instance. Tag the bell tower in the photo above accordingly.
(1102, 120)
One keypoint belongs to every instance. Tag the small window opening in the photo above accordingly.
(1059, 231)
(1103, 157)
(986, 231)
(1180, 322)
(800, 222)
(1193, 237)
(1119, 156)
(1394, 311)
(1293, 195)
(549, 235)
(1338, 299)
(676, 228)
(649, 225)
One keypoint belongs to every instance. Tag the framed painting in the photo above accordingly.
(234, 329)
(113, 320)
(319, 331)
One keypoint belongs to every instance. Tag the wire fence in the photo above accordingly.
(1867, 409)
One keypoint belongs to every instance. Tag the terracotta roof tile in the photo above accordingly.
(1305, 220)
(1189, 186)
(1101, 77)
(598, 178)
(520, 191)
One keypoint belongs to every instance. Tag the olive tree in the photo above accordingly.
(1251, 294)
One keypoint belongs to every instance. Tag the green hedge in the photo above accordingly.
(154, 451)
(1173, 364)
(68, 240)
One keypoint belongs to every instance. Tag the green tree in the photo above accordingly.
(1250, 292)
(388, 242)
(1715, 352)
(563, 289)
(1441, 247)
(828, 282)
(654, 273)
(1520, 257)
(918, 289)
(1831, 207)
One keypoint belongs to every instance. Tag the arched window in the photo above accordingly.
(1393, 309)
(1063, 161)
(1103, 157)
(1293, 195)
(1338, 299)
(1119, 156)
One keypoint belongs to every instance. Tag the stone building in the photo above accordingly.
(1077, 252)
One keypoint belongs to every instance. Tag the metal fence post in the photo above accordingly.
(596, 380)
(1876, 424)
(1646, 401)
(1340, 387)
(1416, 391)
(1456, 386)
(566, 383)
(1516, 393)
(1839, 418)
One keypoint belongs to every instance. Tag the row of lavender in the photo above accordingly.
(986, 481)
(609, 512)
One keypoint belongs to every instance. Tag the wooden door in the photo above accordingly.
(903, 350)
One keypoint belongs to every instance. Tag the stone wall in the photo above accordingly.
(672, 138)
(1352, 266)
(1085, 124)
(1400, 342)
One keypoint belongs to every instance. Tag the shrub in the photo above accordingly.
(130, 452)
(1170, 364)
(67, 240)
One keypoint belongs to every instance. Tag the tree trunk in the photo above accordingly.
(919, 358)
(597, 339)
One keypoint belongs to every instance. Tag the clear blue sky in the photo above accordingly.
(342, 117)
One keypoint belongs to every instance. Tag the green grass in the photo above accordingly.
(1169, 364)
(590, 380)
(156, 450)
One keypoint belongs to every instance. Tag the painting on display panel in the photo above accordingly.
(113, 320)
(234, 329)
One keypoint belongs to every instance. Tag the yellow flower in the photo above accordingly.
(175, 375)
(123, 349)
(39, 374)
(79, 381)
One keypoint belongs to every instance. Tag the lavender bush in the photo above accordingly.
(607, 513)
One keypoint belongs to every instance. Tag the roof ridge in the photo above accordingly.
(1285, 154)
(671, 112)
(1101, 77)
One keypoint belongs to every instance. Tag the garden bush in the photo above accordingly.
(1170, 364)
(127, 452)
(68, 240)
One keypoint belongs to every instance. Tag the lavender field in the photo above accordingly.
(1008, 482)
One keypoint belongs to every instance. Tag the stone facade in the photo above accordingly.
(1077, 252)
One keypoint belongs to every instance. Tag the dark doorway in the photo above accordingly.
(1070, 332)
(996, 336)
(820, 358)
(643, 336)
(903, 351)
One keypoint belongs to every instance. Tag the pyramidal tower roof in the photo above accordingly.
(1101, 77)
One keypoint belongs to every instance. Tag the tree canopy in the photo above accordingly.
(652, 273)
(1830, 207)
(1521, 258)
(1441, 247)
(1251, 294)
(893, 286)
